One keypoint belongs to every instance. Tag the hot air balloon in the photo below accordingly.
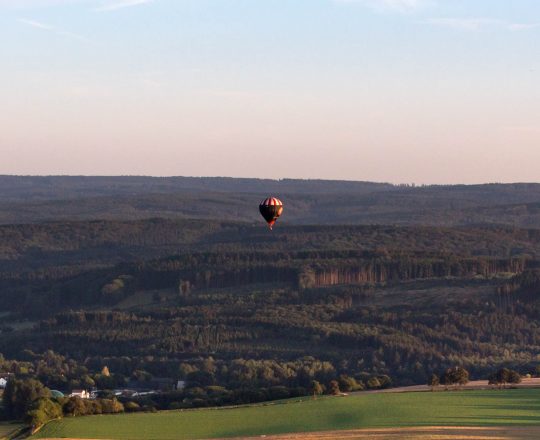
(271, 208)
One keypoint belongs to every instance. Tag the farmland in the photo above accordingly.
(8, 428)
(385, 410)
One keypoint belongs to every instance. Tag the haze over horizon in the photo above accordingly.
(284, 178)
(400, 91)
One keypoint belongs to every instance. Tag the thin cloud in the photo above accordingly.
(522, 26)
(390, 5)
(73, 35)
(35, 24)
(47, 28)
(121, 4)
(467, 24)
(479, 23)
(40, 4)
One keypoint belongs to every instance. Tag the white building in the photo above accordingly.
(83, 394)
(3, 382)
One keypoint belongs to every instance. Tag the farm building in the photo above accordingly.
(4, 377)
(83, 394)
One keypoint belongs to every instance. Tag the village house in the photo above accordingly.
(4, 377)
(83, 394)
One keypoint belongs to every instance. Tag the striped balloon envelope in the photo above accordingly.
(271, 208)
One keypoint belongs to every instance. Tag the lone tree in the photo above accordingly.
(316, 388)
(514, 377)
(433, 381)
(373, 383)
(455, 376)
(503, 376)
(334, 388)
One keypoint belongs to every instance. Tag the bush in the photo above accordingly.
(373, 383)
(298, 392)
(195, 392)
(214, 390)
(333, 388)
(433, 381)
(96, 407)
(503, 376)
(278, 393)
(42, 411)
(347, 383)
(75, 406)
(514, 377)
(455, 376)
(199, 403)
(111, 406)
(385, 381)
(36, 418)
(134, 406)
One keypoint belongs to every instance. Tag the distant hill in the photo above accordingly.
(17, 188)
(29, 199)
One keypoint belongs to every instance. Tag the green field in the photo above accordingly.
(464, 408)
(7, 428)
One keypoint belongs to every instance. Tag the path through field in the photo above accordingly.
(425, 433)
(533, 382)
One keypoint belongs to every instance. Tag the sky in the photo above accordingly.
(402, 91)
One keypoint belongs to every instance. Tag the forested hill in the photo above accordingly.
(60, 198)
(160, 281)
(17, 188)
(23, 247)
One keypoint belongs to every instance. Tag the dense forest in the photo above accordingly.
(247, 314)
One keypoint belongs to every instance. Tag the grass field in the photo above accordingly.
(464, 408)
(7, 428)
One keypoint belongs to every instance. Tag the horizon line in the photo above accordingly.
(317, 179)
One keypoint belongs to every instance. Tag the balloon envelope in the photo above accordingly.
(271, 208)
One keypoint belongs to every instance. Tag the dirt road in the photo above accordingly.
(533, 382)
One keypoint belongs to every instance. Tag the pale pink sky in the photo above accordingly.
(384, 90)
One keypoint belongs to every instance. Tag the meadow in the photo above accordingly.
(8, 428)
(385, 410)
